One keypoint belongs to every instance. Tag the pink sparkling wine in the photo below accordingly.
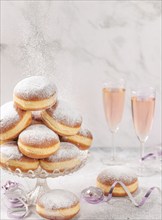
(143, 112)
(113, 99)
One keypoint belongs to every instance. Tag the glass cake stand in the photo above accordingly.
(41, 176)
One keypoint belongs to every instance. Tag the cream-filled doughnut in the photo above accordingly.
(58, 205)
(117, 173)
(83, 139)
(12, 121)
(66, 158)
(38, 141)
(62, 119)
(11, 157)
(35, 93)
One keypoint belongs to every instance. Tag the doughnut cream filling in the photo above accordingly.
(79, 139)
(60, 128)
(119, 190)
(18, 128)
(35, 104)
(59, 212)
(38, 151)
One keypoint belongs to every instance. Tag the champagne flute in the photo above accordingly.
(143, 107)
(113, 100)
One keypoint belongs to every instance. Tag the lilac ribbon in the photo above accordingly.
(95, 195)
(16, 200)
(152, 155)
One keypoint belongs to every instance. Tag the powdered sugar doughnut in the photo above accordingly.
(66, 158)
(58, 205)
(62, 119)
(12, 121)
(83, 139)
(38, 141)
(117, 173)
(11, 157)
(35, 93)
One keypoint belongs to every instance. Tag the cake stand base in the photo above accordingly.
(40, 188)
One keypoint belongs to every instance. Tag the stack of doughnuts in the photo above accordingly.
(38, 129)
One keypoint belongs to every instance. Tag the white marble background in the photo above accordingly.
(79, 44)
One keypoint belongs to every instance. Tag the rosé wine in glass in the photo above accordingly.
(143, 112)
(143, 107)
(113, 101)
(113, 105)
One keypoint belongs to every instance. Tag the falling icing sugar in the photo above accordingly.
(66, 151)
(8, 115)
(11, 151)
(57, 199)
(38, 134)
(120, 173)
(35, 87)
(37, 52)
(63, 112)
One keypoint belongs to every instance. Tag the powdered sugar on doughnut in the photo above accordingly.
(85, 132)
(120, 173)
(11, 151)
(38, 134)
(35, 87)
(8, 115)
(58, 199)
(64, 113)
(66, 151)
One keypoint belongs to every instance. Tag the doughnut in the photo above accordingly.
(117, 173)
(12, 121)
(83, 139)
(58, 205)
(66, 158)
(38, 141)
(35, 93)
(11, 157)
(62, 119)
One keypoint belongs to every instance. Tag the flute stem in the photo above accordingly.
(113, 146)
(141, 156)
(142, 150)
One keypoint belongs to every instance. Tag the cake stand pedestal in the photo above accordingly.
(40, 188)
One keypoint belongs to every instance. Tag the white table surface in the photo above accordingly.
(116, 209)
